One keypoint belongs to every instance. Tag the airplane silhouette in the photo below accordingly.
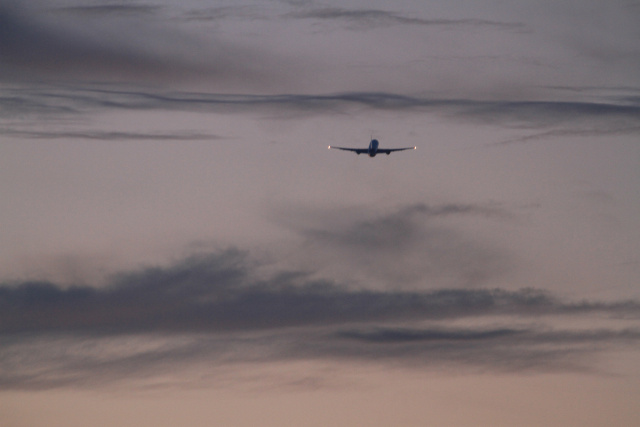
(373, 149)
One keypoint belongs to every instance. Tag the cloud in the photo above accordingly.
(114, 43)
(403, 335)
(223, 308)
(550, 113)
(108, 135)
(225, 291)
(525, 349)
(582, 133)
(124, 9)
(618, 112)
(374, 18)
(398, 228)
(222, 13)
(413, 244)
(217, 292)
(354, 18)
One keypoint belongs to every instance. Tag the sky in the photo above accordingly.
(180, 247)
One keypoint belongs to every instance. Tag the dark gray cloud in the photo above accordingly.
(39, 47)
(222, 308)
(354, 18)
(404, 335)
(401, 227)
(417, 243)
(115, 43)
(620, 113)
(224, 292)
(217, 292)
(123, 9)
(526, 349)
(550, 113)
(108, 135)
(373, 18)
(222, 13)
(590, 132)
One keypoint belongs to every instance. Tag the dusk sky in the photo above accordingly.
(179, 247)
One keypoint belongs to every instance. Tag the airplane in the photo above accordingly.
(373, 149)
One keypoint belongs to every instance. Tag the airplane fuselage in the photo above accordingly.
(373, 148)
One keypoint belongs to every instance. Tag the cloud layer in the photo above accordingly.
(617, 113)
(374, 18)
(413, 244)
(434, 302)
(223, 308)
(133, 46)
(114, 43)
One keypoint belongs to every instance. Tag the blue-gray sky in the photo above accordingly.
(174, 228)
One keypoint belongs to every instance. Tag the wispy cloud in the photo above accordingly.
(417, 243)
(108, 135)
(373, 18)
(223, 308)
(123, 9)
(591, 132)
(222, 13)
(220, 292)
(115, 43)
(363, 18)
(624, 112)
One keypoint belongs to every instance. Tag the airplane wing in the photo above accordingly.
(355, 150)
(389, 150)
